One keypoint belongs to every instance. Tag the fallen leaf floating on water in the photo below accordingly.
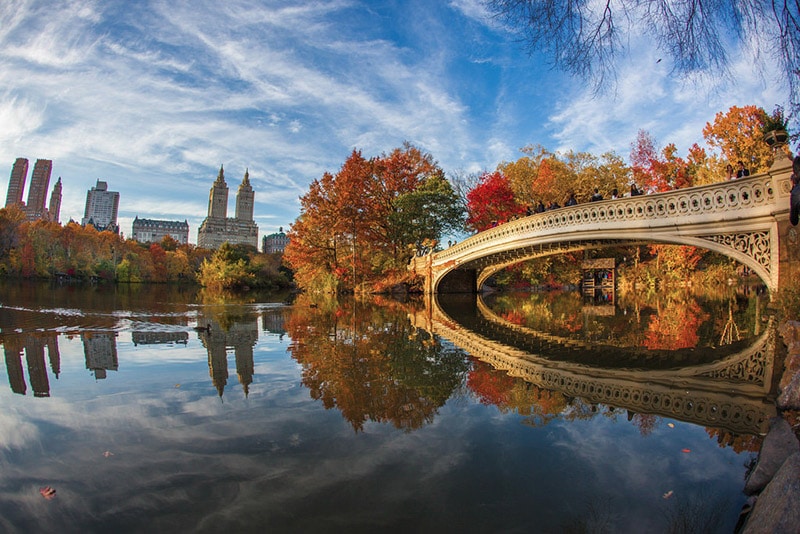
(47, 492)
(108, 453)
(686, 450)
(177, 385)
(667, 495)
(671, 425)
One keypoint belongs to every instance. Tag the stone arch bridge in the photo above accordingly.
(745, 219)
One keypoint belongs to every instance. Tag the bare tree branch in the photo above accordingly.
(582, 36)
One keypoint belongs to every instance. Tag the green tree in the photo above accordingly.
(423, 215)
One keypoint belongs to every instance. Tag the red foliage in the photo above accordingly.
(490, 385)
(492, 202)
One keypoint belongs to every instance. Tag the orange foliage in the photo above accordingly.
(675, 327)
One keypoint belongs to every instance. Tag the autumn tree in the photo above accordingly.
(644, 162)
(360, 225)
(700, 166)
(492, 202)
(736, 135)
(547, 176)
(10, 220)
(523, 175)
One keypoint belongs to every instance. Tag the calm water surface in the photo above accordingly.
(516, 413)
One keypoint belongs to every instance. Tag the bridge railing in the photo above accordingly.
(716, 202)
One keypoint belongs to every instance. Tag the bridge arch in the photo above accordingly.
(745, 219)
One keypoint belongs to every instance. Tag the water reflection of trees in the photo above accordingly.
(367, 361)
(539, 406)
(682, 318)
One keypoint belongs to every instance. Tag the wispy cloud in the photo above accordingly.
(154, 96)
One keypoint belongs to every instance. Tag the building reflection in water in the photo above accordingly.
(33, 345)
(159, 338)
(272, 321)
(238, 334)
(100, 349)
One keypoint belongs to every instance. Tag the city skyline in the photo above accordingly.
(153, 98)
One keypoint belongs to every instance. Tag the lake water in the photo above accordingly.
(515, 413)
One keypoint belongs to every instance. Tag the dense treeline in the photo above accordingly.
(48, 250)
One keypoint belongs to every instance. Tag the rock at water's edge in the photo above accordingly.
(779, 443)
(776, 509)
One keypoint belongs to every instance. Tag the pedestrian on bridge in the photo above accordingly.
(742, 172)
(571, 200)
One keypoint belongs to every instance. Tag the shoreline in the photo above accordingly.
(773, 484)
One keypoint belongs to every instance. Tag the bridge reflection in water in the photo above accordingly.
(729, 387)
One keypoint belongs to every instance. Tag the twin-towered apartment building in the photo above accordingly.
(102, 207)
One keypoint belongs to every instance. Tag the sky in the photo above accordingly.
(154, 96)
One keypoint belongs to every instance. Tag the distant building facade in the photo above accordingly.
(154, 230)
(35, 208)
(55, 201)
(218, 228)
(273, 243)
(37, 193)
(16, 184)
(102, 206)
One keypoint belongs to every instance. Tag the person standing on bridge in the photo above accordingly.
(596, 195)
(729, 174)
(571, 200)
(742, 172)
(794, 199)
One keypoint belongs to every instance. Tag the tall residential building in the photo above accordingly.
(101, 208)
(16, 184)
(154, 231)
(37, 193)
(218, 228)
(245, 198)
(218, 197)
(55, 202)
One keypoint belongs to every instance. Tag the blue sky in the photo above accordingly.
(153, 96)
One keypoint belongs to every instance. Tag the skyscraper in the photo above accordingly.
(101, 208)
(218, 197)
(245, 197)
(55, 201)
(16, 184)
(218, 228)
(37, 193)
